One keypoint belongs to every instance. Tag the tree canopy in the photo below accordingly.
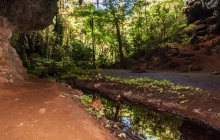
(111, 32)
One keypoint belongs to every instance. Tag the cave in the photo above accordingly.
(18, 16)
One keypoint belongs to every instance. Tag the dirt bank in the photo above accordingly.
(194, 104)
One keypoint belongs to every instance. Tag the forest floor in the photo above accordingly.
(36, 110)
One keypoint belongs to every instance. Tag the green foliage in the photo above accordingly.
(87, 35)
(86, 99)
(186, 40)
(58, 29)
(37, 73)
(103, 61)
(159, 85)
(176, 31)
(15, 38)
(81, 55)
(75, 72)
(215, 73)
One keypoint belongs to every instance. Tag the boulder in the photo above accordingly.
(211, 20)
(202, 33)
(194, 39)
(189, 31)
(198, 22)
(200, 27)
(194, 68)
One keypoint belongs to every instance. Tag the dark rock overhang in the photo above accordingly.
(29, 15)
(201, 9)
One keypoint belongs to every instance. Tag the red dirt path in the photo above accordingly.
(35, 110)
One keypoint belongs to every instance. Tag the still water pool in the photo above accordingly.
(139, 122)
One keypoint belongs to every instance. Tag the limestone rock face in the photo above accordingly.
(11, 68)
(20, 16)
(29, 15)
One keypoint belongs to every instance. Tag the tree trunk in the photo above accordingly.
(47, 43)
(93, 43)
(119, 39)
(120, 45)
(117, 108)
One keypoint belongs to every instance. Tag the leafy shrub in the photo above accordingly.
(82, 55)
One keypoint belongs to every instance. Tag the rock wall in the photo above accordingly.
(205, 16)
(29, 14)
(205, 13)
(20, 16)
(11, 68)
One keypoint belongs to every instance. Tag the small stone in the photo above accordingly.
(97, 85)
(194, 68)
(97, 104)
(42, 110)
(128, 94)
(118, 97)
(115, 125)
(77, 92)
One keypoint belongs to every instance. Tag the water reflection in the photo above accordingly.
(143, 121)
(146, 123)
(149, 124)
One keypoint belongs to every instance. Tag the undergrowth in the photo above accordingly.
(160, 85)
(71, 71)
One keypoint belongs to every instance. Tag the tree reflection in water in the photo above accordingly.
(141, 120)
(154, 125)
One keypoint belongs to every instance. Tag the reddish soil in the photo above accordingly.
(36, 110)
(204, 55)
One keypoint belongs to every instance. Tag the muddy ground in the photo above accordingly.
(37, 110)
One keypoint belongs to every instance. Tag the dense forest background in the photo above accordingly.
(111, 33)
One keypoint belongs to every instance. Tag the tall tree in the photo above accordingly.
(90, 13)
(118, 31)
